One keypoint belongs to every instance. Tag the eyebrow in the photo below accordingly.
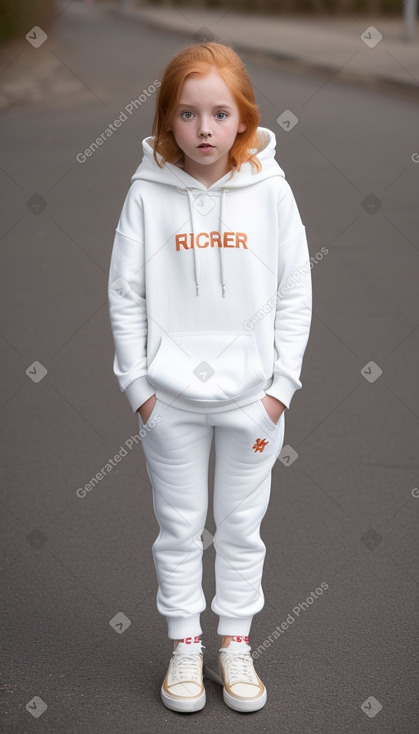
(192, 107)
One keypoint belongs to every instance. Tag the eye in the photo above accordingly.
(222, 113)
(186, 112)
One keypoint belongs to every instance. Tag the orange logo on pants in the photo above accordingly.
(259, 445)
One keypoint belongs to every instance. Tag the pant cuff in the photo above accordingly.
(180, 627)
(234, 625)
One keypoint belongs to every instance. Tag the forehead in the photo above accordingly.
(209, 84)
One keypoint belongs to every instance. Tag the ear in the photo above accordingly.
(242, 127)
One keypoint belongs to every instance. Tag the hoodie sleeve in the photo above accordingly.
(293, 300)
(127, 303)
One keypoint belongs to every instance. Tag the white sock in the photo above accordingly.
(238, 643)
(189, 646)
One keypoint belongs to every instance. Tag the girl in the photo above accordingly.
(210, 308)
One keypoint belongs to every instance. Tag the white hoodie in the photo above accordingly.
(210, 288)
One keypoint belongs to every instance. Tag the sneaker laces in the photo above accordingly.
(239, 665)
(186, 666)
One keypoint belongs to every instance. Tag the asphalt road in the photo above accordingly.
(81, 633)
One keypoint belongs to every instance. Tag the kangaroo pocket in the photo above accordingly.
(210, 366)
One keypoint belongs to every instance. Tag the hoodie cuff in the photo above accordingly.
(138, 392)
(282, 389)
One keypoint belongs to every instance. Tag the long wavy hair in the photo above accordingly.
(199, 59)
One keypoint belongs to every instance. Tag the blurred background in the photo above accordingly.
(83, 646)
(20, 12)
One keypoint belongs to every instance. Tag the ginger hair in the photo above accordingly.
(199, 59)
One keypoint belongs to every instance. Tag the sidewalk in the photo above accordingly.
(331, 46)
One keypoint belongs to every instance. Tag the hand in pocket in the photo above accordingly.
(146, 409)
(272, 406)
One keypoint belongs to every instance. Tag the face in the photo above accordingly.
(207, 113)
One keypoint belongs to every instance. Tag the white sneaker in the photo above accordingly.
(243, 690)
(183, 688)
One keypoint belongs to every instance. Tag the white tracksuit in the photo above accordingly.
(210, 308)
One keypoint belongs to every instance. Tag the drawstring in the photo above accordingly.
(223, 260)
(222, 249)
(196, 259)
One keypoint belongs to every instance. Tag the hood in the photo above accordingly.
(173, 175)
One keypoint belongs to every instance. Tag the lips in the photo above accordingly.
(205, 145)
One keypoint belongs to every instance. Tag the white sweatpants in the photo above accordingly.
(177, 446)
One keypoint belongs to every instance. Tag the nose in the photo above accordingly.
(204, 126)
